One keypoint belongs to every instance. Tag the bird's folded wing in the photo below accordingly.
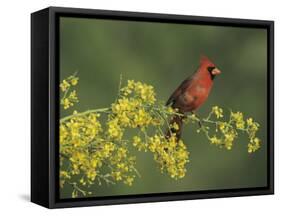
(183, 86)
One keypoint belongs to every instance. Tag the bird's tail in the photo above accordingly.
(176, 124)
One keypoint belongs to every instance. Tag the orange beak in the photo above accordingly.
(216, 71)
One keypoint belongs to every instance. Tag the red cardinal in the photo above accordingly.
(192, 92)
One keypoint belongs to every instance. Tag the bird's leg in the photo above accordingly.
(199, 122)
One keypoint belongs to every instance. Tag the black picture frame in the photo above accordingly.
(45, 106)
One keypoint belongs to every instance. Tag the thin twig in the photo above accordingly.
(84, 113)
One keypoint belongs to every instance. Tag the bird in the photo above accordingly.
(191, 94)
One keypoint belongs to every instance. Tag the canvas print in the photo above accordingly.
(151, 107)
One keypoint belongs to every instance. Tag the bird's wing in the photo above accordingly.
(185, 84)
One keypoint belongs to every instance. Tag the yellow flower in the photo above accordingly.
(175, 126)
(117, 175)
(215, 140)
(154, 143)
(64, 85)
(73, 96)
(170, 110)
(249, 121)
(222, 126)
(217, 111)
(254, 145)
(93, 126)
(138, 143)
(136, 140)
(63, 134)
(252, 128)
(91, 175)
(121, 152)
(69, 98)
(144, 91)
(123, 167)
(94, 151)
(129, 180)
(228, 141)
(64, 174)
(63, 177)
(131, 84)
(66, 103)
(94, 163)
(107, 150)
(141, 118)
(74, 81)
(238, 118)
(170, 154)
(114, 130)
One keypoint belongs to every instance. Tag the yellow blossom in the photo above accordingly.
(94, 145)
(114, 130)
(217, 111)
(238, 118)
(215, 140)
(64, 85)
(175, 126)
(66, 103)
(254, 145)
(129, 181)
(74, 81)
(117, 175)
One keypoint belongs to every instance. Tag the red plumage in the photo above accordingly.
(193, 91)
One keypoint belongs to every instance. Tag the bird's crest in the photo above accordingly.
(204, 60)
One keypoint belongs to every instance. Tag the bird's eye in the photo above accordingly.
(210, 69)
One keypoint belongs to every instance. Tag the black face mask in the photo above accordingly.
(210, 69)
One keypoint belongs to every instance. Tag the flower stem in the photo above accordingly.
(84, 113)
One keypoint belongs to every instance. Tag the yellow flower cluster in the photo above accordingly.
(67, 83)
(84, 148)
(170, 154)
(133, 109)
(228, 135)
(77, 141)
(93, 151)
(94, 145)
(238, 119)
(229, 129)
(217, 111)
(80, 130)
(252, 128)
(114, 129)
(131, 112)
(136, 108)
(69, 97)
(123, 166)
(139, 90)
(69, 101)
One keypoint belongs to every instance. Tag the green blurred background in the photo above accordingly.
(163, 55)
